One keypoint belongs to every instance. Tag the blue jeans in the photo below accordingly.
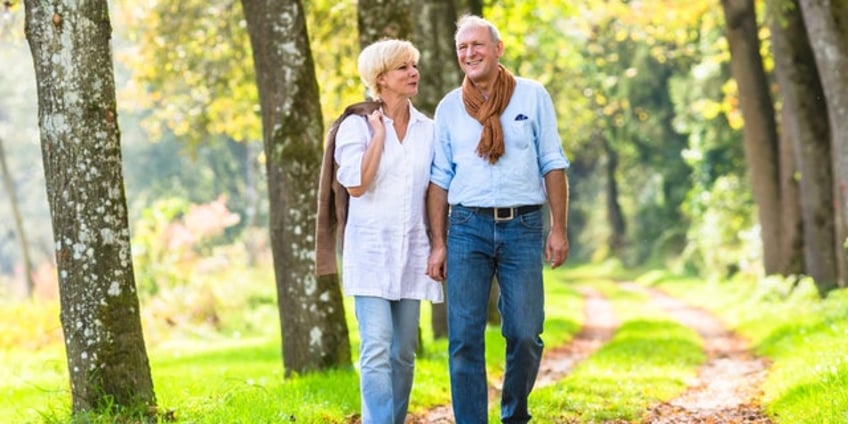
(388, 330)
(480, 248)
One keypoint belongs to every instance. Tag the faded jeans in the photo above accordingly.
(388, 330)
(480, 248)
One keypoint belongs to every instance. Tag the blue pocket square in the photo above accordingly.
(520, 117)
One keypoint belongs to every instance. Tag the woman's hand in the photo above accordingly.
(375, 119)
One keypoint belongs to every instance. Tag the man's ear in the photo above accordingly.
(500, 48)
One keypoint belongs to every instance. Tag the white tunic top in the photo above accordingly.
(385, 242)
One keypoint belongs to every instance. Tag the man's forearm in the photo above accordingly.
(437, 214)
(556, 185)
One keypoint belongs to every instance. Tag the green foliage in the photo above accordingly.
(155, 262)
(722, 239)
(610, 79)
(335, 55)
(617, 71)
(193, 68)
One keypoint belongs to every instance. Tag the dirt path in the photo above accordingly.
(726, 389)
(598, 326)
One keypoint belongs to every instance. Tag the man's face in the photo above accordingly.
(478, 54)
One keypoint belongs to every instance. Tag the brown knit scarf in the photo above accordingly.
(488, 112)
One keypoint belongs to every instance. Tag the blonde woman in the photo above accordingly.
(384, 163)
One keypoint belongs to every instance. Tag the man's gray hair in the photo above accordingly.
(474, 21)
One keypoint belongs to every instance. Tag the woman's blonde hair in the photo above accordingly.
(382, 56)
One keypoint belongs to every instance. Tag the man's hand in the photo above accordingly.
(556, 249)
(436, 268)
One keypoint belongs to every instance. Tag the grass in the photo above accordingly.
(233, 373)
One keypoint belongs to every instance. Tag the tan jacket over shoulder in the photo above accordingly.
(333, 198)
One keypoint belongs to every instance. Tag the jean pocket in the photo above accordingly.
(460, 215)
(531, 220)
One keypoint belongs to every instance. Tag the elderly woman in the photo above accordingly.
(384, 163)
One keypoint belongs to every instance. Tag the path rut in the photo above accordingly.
(599, 324)
(725, 391)
(727, 387)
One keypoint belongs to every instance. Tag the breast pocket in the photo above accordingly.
(521, 133)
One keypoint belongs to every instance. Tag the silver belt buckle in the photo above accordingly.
(498, 217)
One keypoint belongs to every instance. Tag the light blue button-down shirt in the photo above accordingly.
(532, 149)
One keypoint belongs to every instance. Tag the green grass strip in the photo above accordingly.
(649, 359)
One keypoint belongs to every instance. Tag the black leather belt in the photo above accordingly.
(504, 214)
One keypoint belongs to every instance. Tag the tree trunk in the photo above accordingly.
(791, 222)
(760, 131)
(435, 26)
(615, 216)
(314, 330)
(828, 33)
(378, 19)
(807, 128)
(29, 285)
(80, 140)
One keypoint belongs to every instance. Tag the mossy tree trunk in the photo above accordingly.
(314, 330)
(80, 141)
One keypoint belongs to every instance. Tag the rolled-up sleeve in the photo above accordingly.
(441, 170)
(351, 142)
(551, 155)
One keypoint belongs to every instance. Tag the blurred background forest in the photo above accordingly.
(707, 138)
(649, 115)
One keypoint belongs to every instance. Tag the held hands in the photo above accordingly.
(436, 268)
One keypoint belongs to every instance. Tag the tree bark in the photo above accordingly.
(827, 29)
(314, 330)
(791, 223)
(378, 19)
(760, 130)
(29, 285)
(80, 140)
(435, 26)
(615, 216)
(808, 130)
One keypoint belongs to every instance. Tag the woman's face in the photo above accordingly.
(478, 53)
(400, 81)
